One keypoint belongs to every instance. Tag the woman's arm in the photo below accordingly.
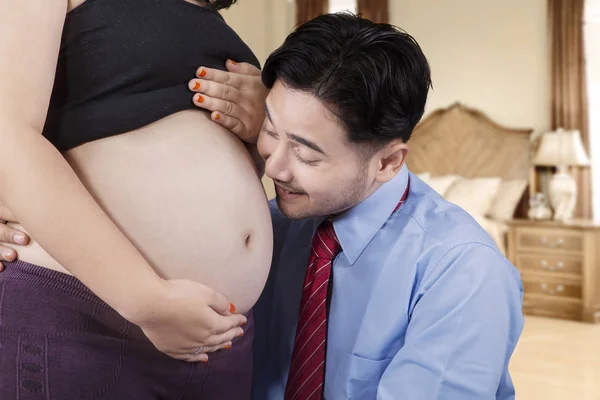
(48, 199)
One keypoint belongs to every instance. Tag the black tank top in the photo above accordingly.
(124, 64)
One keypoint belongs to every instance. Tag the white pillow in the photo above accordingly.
(441, 183)
(475, 195)
(496, 229)
(424, 176)
(507, 198)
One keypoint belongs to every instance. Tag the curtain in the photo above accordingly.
(375, 10)
(568, 85)
(309, 9)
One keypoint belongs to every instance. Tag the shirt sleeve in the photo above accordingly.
(463, 328)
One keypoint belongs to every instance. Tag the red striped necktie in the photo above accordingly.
(307, 369)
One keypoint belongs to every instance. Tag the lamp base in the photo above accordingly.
(563, 194)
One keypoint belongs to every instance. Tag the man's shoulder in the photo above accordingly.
(284, 227)
(281, 222)
(275, 211)
(448, 237)
(439, 220)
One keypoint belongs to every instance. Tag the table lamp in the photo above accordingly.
(562, 149)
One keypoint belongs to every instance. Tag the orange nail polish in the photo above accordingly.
(217, 117)
(204, 361)
(196, 85)
(202, 73)
(200, 99)
(233, 62)
(244, 323)
(231, 308)
(227, 347)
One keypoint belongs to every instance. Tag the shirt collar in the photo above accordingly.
(356, 227)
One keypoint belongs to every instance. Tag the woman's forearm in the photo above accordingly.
(46, 196)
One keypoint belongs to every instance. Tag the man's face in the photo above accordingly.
(315, 168)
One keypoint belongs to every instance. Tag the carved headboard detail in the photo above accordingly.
(464, 141)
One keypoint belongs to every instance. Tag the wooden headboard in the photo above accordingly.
(463, 141)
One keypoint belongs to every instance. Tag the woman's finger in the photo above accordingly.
(224, 77)
(11, 235)
(217, 90)
(242, 68)
(189, 357)
(222, 346)
(223, 338)
(7, 254)
(191, 352)
(231, 123)
(223, 106)
(211, 349)
(221, 324)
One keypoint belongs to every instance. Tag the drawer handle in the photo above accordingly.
(546, 265)
(556, 290)
(558, 243)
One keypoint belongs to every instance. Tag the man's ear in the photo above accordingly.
(391, 160)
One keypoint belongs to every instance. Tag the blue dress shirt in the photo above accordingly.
(423, 304)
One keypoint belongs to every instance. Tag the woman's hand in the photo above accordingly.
(9, 235)
(186, 315)
(236, 98)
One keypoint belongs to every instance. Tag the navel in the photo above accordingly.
(248, 242)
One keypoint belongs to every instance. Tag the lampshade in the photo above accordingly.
(561, 147)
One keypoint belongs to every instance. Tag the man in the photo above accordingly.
(379, 288)
(420, 303)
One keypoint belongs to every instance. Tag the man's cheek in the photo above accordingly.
(261, 146)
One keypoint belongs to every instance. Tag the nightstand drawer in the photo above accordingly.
(551, 287)
(549, 263)
(551, 307)
(558, 262)
(549, 239)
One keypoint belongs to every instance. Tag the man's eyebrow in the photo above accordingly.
(305, 142)
(297, 138)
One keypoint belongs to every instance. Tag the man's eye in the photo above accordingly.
(302, 160)
(268, 132)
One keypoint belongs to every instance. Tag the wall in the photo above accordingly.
(486, 54)
(249, 19)
(492, 55)
(262, 24)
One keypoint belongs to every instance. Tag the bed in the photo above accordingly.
(475, 163)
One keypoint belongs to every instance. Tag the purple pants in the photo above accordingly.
(58, 341)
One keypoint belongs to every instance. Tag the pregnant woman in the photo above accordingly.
(98, 138)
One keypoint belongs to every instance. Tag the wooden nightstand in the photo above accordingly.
(559, 265)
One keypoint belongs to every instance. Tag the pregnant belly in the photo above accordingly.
(186, 194)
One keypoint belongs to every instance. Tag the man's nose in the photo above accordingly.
(277, 167)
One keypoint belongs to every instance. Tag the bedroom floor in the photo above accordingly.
(557, 360)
